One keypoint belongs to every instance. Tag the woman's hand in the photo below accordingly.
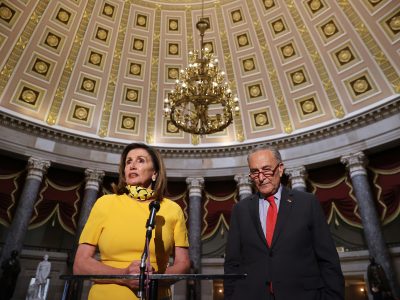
(134, 268)
(85, 263)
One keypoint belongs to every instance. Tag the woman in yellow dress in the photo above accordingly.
(116, 227)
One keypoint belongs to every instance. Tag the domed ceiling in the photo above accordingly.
(101, 69)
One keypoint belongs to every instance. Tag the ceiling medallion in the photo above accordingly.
(29, 96)
(41, 67)
(329, 29)
(269, 3)
(5, 13)
(315, 5)
(345, 55)
(308, 106)
(52, 40)
(95, 58)
(131, 95)
(81, 113)
(395, 23)
(202, 101)
(173, 25)
(236, 16)
(108, 10)
(288, 50)
(255, 91)
(360, 85)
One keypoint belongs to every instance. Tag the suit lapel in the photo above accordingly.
(285, 208)
(255, 216)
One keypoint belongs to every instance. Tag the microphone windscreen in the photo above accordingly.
(155, 205)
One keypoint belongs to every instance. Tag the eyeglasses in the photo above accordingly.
(266, 171)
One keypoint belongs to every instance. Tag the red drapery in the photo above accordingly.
(220, 196)
(59, 197)
(61, 193)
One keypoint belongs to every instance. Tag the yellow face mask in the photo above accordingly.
(140, 193)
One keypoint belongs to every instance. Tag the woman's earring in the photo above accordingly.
(153, 178)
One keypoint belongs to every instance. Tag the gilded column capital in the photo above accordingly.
(355, 163)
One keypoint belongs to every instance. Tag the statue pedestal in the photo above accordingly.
(36, 291)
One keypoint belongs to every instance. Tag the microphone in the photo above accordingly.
(154, 207)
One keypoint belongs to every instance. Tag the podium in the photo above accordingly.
(154, 278)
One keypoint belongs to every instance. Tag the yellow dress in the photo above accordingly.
(116, 225)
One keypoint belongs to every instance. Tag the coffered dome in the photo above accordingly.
(101, 69)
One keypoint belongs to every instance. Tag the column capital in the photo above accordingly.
(297, 176)
(195, 185)
(355, 163)
(37, 168)
(93, 178)
(242, 179)
(244, 185)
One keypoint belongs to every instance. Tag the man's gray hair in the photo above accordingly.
(273, 149)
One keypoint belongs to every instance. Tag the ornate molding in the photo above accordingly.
(283, 142)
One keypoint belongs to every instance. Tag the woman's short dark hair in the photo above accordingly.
(159, 185)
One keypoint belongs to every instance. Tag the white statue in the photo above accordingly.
(42, 272)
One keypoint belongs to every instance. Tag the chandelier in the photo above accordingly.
(202, 101)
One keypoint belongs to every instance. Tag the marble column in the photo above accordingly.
(195, 186)
(297, 177)
(244, 185)
(93, 179)
(19, 224)
(355, 163)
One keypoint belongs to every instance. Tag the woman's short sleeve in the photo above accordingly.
(180, 232)
(95, 223)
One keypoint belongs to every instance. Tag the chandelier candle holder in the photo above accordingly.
(202, 101)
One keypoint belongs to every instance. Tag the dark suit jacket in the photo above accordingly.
(302, 263)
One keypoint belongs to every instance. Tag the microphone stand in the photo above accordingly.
(154, 206)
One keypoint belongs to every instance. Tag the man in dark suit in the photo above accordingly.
(280, 239)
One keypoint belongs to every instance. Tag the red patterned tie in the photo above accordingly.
(271, 219)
